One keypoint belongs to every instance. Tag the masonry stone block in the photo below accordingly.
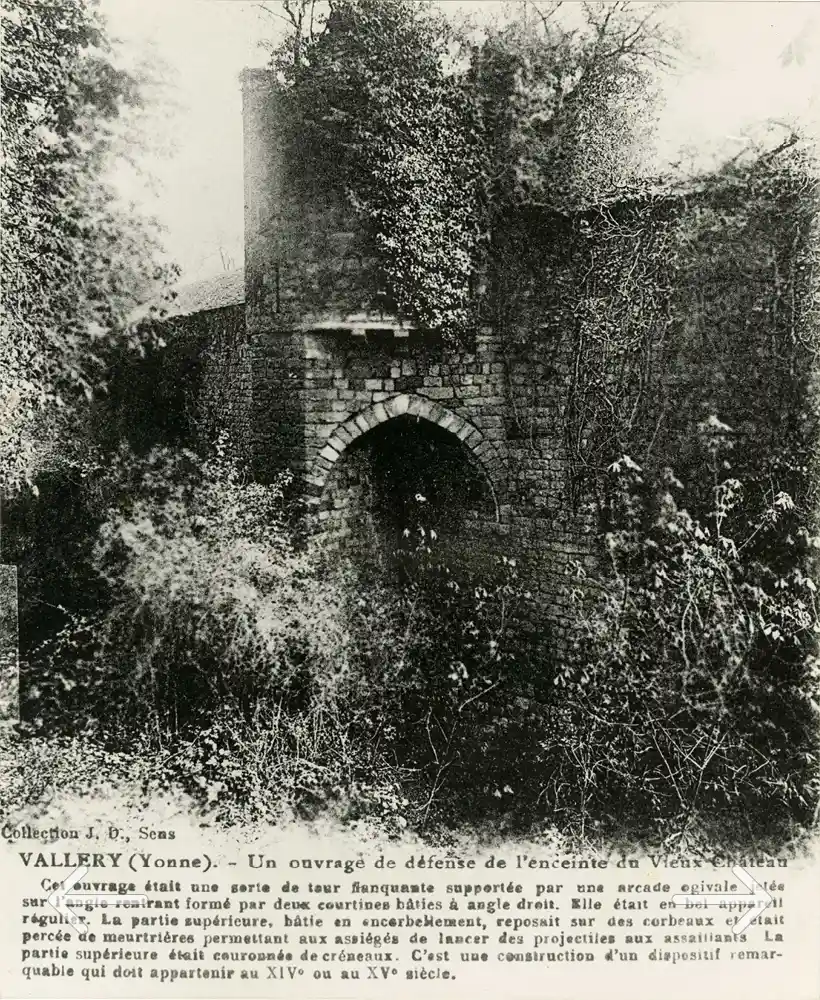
(437, 413)
(449, 420)
(396, 405)
(441, 392)
(361, 422)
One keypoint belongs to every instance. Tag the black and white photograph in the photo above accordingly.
(409, 490)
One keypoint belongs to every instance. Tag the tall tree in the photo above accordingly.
(74, 260)
(570, 97)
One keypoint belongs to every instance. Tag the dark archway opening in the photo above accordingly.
(434, 622)
(407, 481)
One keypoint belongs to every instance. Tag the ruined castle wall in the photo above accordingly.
(329, 362)
(316, 393)
(190, 382)
(225, 375)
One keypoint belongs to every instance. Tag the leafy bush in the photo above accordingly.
(37, 770)
(267, 685)
(75, 260)
(687, 704)
(408, 727)
(443, 655)
(238, 667)
(281, 763)
(208, 599)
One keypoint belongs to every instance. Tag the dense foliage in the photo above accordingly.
(688, 698)
(273, 685)
(694, 303)
(433, 137)
(203, 638)
(379, 122)
(74, 260)
(268, 687)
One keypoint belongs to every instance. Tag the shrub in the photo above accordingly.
(441, 665)
(240, 669)
(208, 599)
(687, 702)
(38, 770)
(267, 685)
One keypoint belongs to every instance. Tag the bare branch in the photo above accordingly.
(544, 17)
(265, 8)
(644, 39)
(787, 143)
(295, 19)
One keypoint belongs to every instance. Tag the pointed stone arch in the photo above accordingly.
(486, 452)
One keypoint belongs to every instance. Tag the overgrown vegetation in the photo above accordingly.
(229, 660)
(670, 282)
(433, 136)
(690, 694)
(222, 660)
(75, 260)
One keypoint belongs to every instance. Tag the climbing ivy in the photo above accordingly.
(697, 303)
(499, 180)
(378, 120)
(433, 136)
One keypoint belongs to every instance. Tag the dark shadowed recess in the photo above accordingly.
(408, 482)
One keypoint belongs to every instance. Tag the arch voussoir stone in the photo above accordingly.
(330, 453)
(342, 435)
(446, 420)
(380, 413)
(360, 422)
(396, 406)
(418, 407)
(437, 414)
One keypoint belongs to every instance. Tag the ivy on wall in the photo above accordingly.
(433, 136)
(377, 121)
(695, 305)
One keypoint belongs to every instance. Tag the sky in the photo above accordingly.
(747, 61)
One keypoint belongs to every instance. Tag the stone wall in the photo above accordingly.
(193, 382)
(322, 364)
(329, 363)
